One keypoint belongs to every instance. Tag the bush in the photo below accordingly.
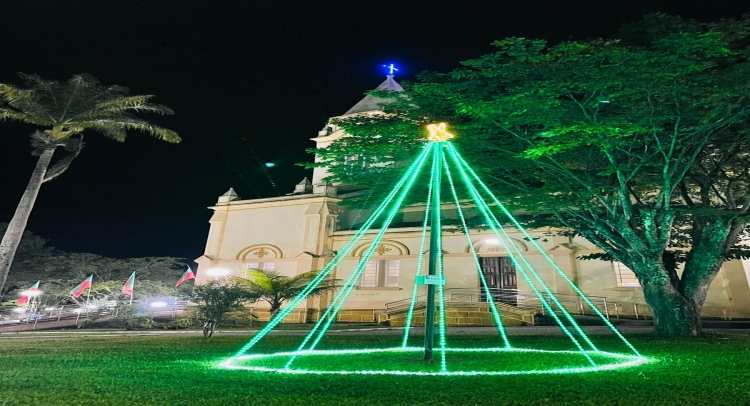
(181, 323)
(134, 321)
(240, 316)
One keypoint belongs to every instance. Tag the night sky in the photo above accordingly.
(250, 82)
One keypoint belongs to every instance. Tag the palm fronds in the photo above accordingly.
(79, 104)
(276, 288)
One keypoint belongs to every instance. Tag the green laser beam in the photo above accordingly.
(420, 257)
(544, 254)
(497, 318)
(336, 259)
(340, 298)
(484, 209)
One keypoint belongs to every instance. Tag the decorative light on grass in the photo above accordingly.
(498, 360)
(346, 361)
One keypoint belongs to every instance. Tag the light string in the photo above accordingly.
(336, 259)
(497, 318)
(623, 361)
(438, 228)
(541, 250)
(484, 209)
(418, 271)
(391, 205)
(330, 314)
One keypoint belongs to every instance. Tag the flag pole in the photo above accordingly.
(87, 302)
(131, 299)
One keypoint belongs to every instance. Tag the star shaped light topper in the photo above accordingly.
(438, 133)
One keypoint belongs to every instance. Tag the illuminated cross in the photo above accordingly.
(391, 68)
(438, 133)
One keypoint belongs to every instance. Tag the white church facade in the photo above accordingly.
(302, 231)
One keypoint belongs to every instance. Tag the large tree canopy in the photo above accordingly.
(638, 144)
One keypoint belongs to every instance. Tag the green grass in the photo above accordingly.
(182, 371)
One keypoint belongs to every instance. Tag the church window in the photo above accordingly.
(625, 276)
(355, 161)
(381, 274)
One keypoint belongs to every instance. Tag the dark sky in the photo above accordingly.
(251, 82)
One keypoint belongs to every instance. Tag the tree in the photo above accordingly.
(66, 110)
(37, 261)
(638, 144)
(34, 260)
(215, 299)
(276, 289)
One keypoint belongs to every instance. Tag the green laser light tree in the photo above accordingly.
(437, 133)
(306, 359)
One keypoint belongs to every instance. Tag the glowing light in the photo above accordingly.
(340, 298)
(615, 361)
(158, 304)
(490, 298)
(218, 272)
(390, 68)
(438, 133)
(484, 209)
(337, 258)
(594, 359)
(544, 253)
(270, 164)
(418, 271)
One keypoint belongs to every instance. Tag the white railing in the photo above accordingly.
(524, 299)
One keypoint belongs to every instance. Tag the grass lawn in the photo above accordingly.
(182, 371)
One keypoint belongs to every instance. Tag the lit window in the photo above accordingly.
(355, 161)
(625, 276)
(381, 274)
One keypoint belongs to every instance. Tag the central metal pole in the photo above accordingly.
(435, 235)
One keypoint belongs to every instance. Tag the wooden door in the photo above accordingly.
(500, 275)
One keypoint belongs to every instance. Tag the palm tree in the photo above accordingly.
(277, 289)
(65, 111)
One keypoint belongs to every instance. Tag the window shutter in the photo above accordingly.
(370, 275)
(391, 279)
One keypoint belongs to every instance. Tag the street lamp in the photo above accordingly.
(33, 295)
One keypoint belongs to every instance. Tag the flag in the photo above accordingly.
(187, 275)
(25, 298)
(78, 290)
(128, 287)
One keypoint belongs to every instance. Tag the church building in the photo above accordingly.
(303, 230)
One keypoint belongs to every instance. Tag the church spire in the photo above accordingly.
(370, 103)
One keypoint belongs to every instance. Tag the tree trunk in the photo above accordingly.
(208, 329)
(674, 315)
(711, 239)
(17, 224)
(274, 310)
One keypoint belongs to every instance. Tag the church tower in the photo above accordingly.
(330, 133)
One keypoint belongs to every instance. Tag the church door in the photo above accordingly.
(500, 275)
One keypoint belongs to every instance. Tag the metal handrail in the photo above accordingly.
(39, 314)
(526, 299)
